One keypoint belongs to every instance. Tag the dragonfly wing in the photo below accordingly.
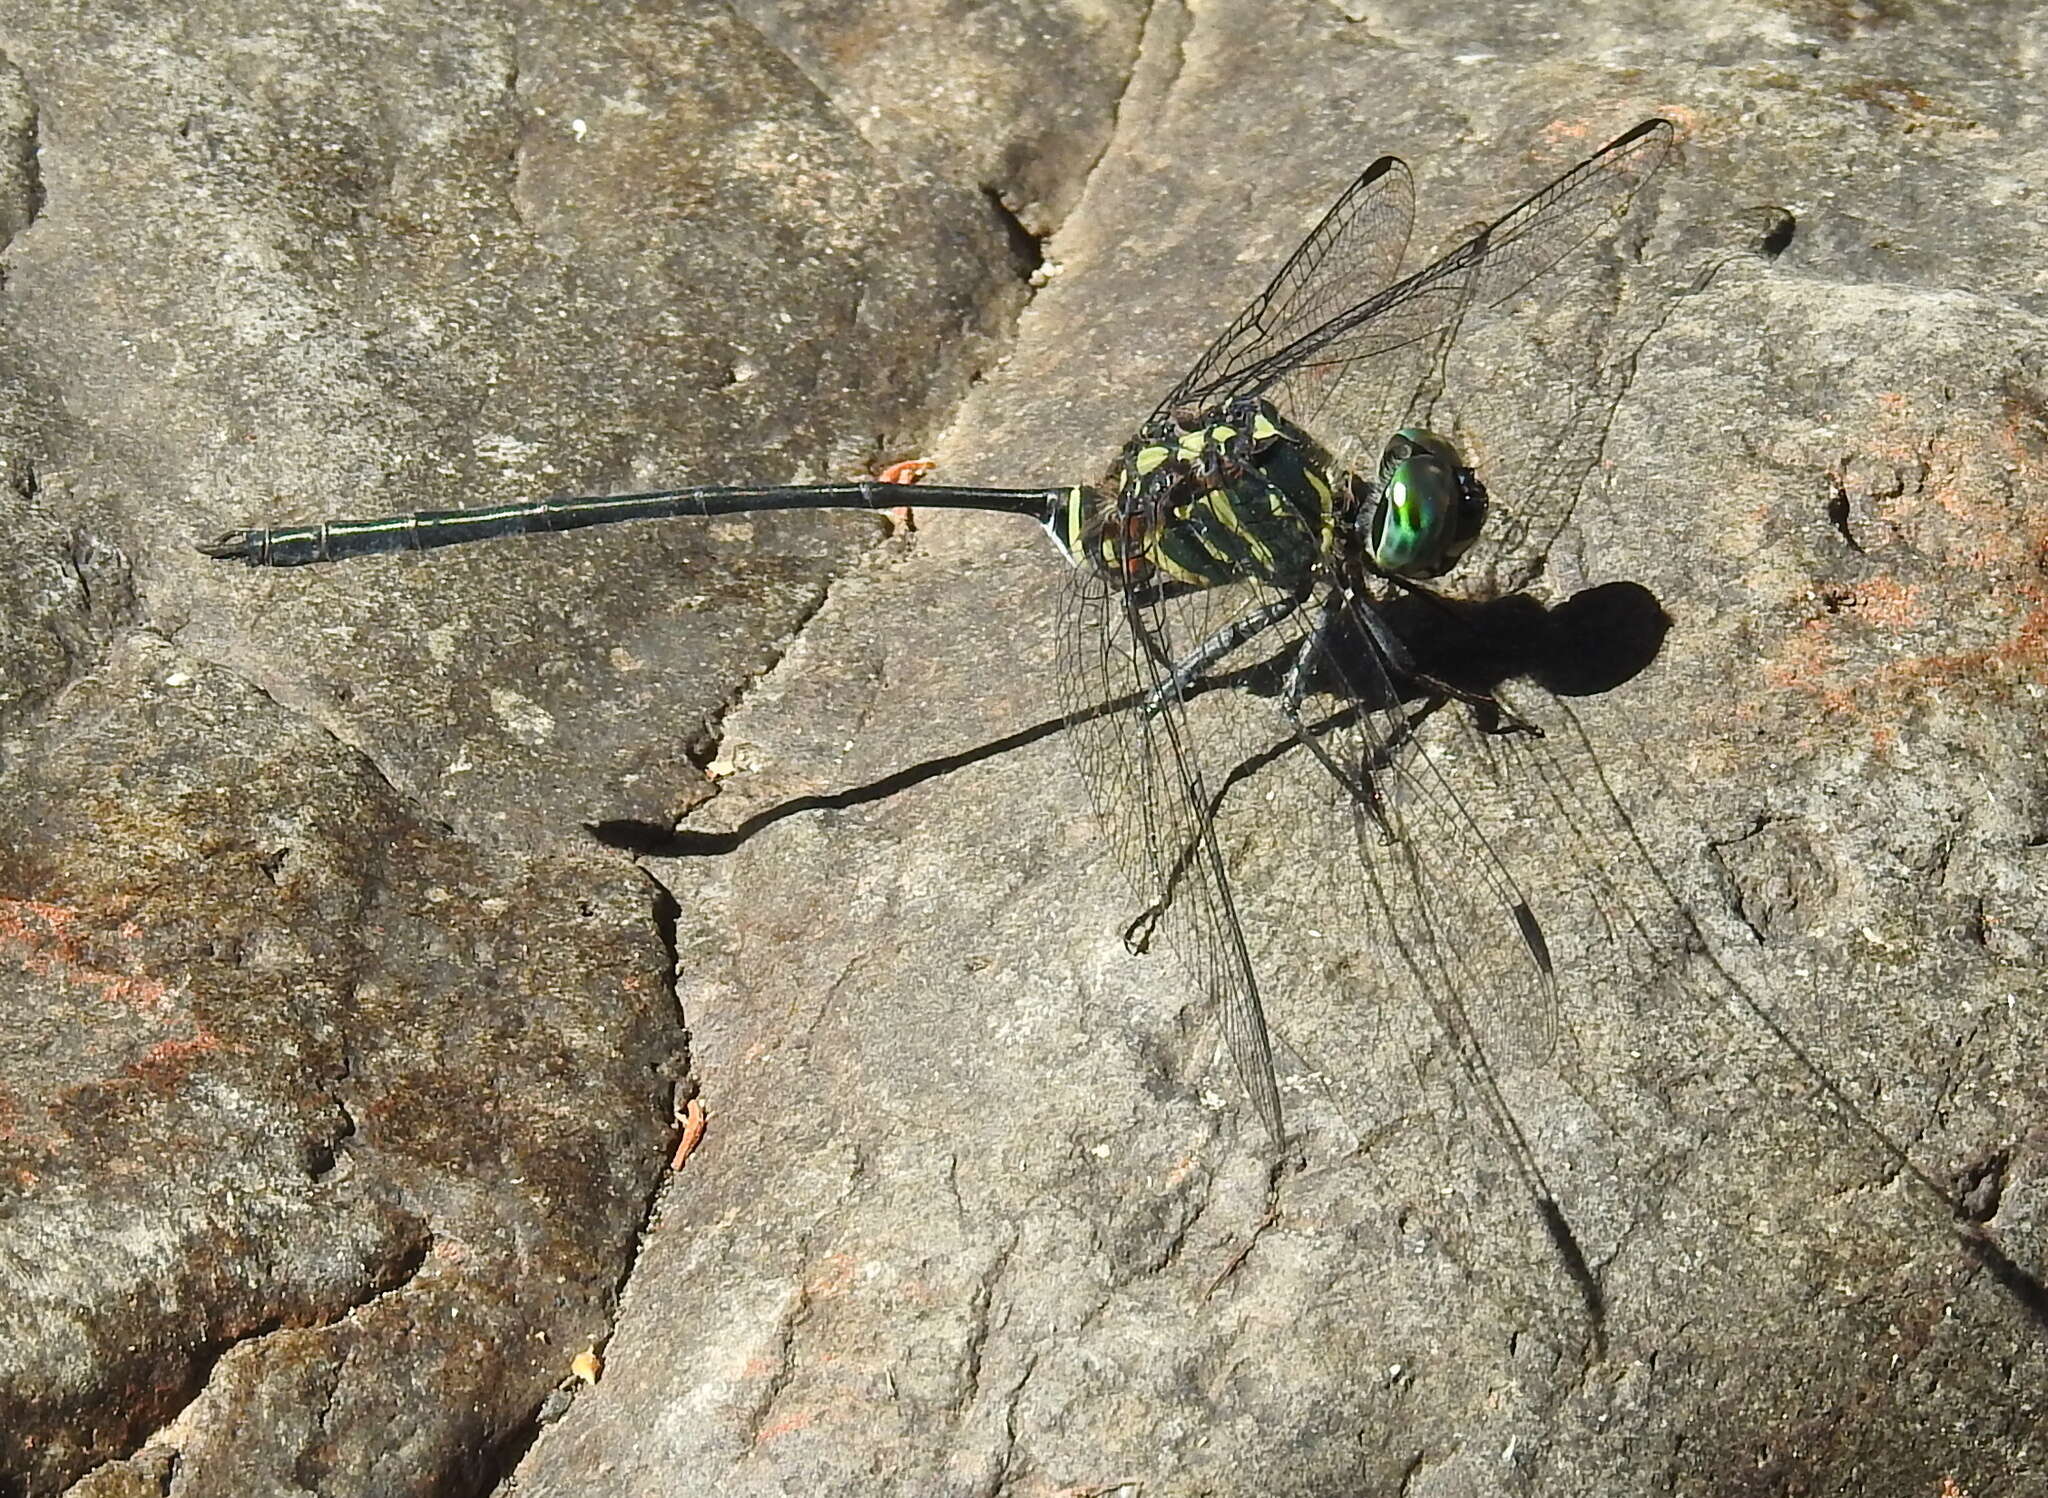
(1446, 909)
(1160, 767)
(1366, 370)
(1358, 245)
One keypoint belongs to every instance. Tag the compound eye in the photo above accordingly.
(1421, 525)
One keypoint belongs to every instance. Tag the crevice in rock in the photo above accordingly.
(23, 195)
(385, 1278)
(980, 1311)
(784, 1353)
(1778, 226)
(1981, 1185)
(103, 576)
(666, 913)
(325, 1154)
(1027, 250)
(1000, 1477)
(500, 1462)
(515, 158)
(708, 740)
(1838, 510)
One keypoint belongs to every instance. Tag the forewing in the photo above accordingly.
(1361, 885)
(1443, 917)
(1530, 238)
(1356, 248)
(1370, 366)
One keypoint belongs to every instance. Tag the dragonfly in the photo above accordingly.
(1251, 608)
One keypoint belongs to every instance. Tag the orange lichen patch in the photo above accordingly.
(170, 1061)
(1687, 120)
(1561, 134)
(1887, 602)
(1963, 473)
(2023, 655)
(795, 1421)
(453, 1252)
(1947, 506)
(1807, 662)
(1815, 662)
(909, 471)
(52, 947)
(38, 921)
(835, 1274)
(587, 1366)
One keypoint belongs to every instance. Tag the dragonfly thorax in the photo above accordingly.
(1238, 492)
(1231, 493)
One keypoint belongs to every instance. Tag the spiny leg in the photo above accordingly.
(1488, 712)
(1183, 675)
(1179, 683)
(1364, 790)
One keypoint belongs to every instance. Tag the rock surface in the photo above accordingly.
(338, 1058)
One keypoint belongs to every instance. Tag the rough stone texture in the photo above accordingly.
(338, 1064)
(1019, 99)
(325, 1137)
(296, 883)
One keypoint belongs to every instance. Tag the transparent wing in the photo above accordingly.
(1446, 927)
(1358, 376)
(1358, 247)
(1247, 835)
(1148, 757)
(1212, 799)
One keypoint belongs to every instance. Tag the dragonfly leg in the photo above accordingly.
(1182, 677)
(1364, 788)
(1488, 712)
(1138, 935)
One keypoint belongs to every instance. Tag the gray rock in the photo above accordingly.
(336, 1058)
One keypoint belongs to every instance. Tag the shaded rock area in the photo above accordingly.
(340, 1056)
(314, 1155)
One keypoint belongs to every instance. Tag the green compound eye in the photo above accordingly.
(1429, 510)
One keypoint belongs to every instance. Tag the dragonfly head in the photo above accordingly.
(1429, 506)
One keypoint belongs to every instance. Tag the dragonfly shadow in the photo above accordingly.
(652, 840)
(1593, 642)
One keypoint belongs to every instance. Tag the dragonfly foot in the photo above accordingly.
(1138, 935)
